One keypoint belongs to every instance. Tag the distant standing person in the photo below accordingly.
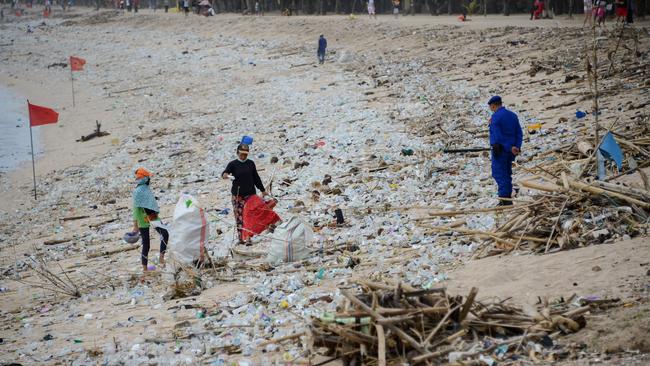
(599, 11)
(322, 48)
(630, 12)
(145, 210)
(539, 9)
(621, 10)
(371, 9)
(396, 8)
(505, 141)
(588, 6)
(243, 173)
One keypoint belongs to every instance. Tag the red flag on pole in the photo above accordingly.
(41, 115)
(77, 63)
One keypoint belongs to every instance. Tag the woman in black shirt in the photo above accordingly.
(245, 179)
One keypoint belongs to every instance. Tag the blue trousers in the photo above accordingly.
(321, 56)
(502, 172)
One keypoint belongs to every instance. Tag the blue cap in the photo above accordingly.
(248, 140)
(494, 99)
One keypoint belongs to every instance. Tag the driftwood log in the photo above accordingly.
(97, 133)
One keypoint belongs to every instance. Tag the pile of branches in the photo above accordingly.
(567, 206)
(392, 324)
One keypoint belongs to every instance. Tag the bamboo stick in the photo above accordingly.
(600, 191)
(381, 346)
(102, 253)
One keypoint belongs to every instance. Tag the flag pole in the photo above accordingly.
(31, 141)
(72, 82)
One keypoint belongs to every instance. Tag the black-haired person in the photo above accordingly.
(245, 179)
(505, 140)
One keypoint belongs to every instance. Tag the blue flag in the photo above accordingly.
(610, 149)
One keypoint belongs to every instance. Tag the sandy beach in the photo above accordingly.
(176, 95)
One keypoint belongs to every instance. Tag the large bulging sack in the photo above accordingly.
(291, 241)
(189, 233)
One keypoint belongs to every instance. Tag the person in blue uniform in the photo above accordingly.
(322, 47)
(505, 140)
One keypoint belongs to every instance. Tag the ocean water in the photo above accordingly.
(14, 131)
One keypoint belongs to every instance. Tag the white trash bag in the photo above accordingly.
(189, 232)
(291, 241)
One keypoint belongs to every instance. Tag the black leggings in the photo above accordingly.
(144, 234)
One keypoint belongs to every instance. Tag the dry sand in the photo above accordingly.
(205, 81)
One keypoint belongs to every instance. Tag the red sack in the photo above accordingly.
(258, 215)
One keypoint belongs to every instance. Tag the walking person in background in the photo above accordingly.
(166, 6)
(145, 211)
(396, 8)
(588, 6)
(322, 48)
(243, 173)
(505, 140)
(371, 9)
(186, 7)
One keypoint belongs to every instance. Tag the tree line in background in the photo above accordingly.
(406, 7)
(433, 7)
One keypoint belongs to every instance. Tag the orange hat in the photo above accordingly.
(141, 173)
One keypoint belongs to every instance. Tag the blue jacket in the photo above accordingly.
(322, 45)
(505, 129)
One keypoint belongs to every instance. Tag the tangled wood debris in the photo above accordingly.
(389, 324)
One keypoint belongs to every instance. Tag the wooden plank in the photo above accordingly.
(72, 218)
(56, 241)
(468, 304)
